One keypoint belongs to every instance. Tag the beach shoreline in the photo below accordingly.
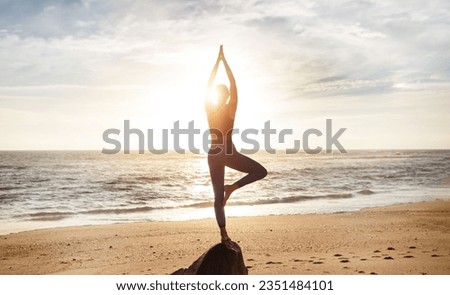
(410, 238)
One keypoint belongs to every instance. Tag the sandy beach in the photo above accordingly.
(401, 239)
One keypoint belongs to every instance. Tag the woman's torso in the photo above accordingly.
(221, 124)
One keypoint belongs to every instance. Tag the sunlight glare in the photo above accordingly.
(214, 96)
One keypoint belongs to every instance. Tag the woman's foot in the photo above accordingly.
(224, 235)
(228, 189)
(225, 240)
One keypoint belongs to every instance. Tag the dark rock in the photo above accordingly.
(221, 259)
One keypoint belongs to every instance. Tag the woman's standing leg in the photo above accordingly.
(217, 172)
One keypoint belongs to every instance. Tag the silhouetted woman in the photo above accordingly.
(221, 113)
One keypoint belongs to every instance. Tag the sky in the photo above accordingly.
(72, 69)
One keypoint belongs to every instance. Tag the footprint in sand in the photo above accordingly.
(363, 259)
(376, 251)
(388, 258)
(338, 255)
(391, 248)
(435, 255)
(408, 256)
(373, 273)
(344, 261)
(317, 262)
(361, 271)
(412, 247)
(274, 262)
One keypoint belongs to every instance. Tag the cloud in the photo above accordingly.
(54, 19)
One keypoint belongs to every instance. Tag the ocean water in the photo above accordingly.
(42, 189)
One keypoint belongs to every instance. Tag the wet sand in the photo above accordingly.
(401, 239)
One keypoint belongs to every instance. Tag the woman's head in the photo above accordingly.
(222, 94)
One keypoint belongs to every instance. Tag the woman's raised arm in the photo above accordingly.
(209, 88)
(233, 89)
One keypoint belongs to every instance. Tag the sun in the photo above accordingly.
(213, 96)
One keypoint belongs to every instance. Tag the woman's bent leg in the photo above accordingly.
(244, 164)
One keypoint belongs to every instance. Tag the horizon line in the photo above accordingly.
(187, 151)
